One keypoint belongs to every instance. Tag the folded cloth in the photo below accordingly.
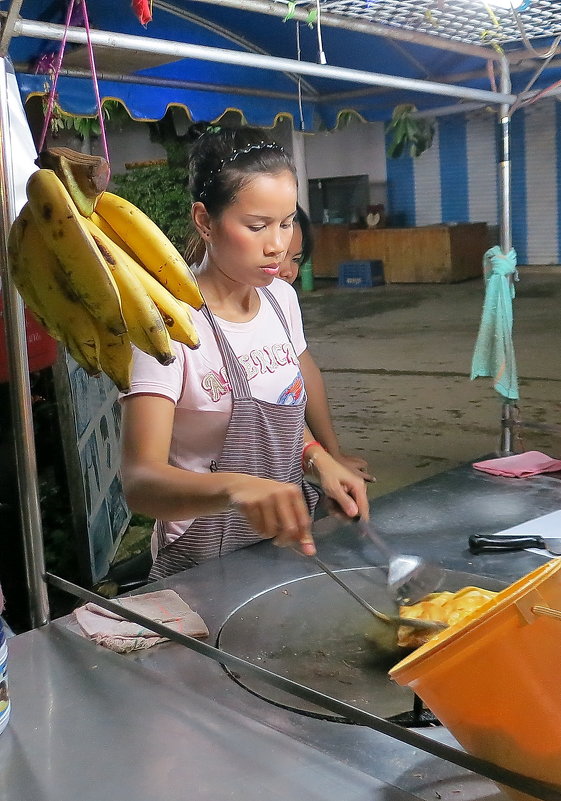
(118, 634)
(521, 465)
(494, 351)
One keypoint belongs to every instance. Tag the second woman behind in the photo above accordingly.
(318, 415)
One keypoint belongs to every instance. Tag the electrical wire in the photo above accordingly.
(299, 57)
(529, 46)
(321, 54)
(521, 101)
(491, 74)
(541, 94)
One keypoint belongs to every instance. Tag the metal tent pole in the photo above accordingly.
(42, 30)
(505, 228)
(20, 390)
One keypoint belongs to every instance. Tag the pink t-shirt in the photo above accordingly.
(197, 384)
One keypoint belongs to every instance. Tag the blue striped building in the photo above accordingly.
(456, 179)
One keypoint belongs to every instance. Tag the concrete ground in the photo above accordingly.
(396, 362)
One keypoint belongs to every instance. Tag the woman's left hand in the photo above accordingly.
(343, 486)
(356, 464)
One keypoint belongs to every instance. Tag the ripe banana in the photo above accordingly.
(108, 231)
(145, 326)
(38, 276)
(22, 277)
(65, 233)
(85, 353)
(151, 246)
(115, 355)
(175, 313)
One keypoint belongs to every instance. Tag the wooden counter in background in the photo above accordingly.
(428, 254)
(331, 247)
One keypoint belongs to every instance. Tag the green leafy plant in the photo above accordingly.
(84, 127)
(161, 191)
(310, 19)
(411, 134)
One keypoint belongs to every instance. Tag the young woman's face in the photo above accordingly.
(291, 263)
(249, 240)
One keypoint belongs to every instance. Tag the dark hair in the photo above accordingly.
(222, 160)
(305, 224)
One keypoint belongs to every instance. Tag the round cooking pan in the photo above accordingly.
(311, 631)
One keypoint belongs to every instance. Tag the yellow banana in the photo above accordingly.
(66, 234)
(175, 313)
(145, 326)
(98, 220)
(22, 276)
(38, 276)
(115, 355)
(151, 247)
(85, 353)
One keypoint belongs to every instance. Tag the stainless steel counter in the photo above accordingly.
(167, 723)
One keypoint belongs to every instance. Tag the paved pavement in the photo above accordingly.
(396, 362)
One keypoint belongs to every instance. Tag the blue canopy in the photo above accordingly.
(148, 84)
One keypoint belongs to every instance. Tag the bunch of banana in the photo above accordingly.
(103, 281)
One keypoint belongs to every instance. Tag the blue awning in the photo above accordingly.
(205, 90)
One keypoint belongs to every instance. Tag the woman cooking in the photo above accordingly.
(215, 445)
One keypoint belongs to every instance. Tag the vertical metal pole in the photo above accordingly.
(505, 228)
(504, 163)
(20, 390)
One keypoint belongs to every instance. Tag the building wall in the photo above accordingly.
(456, 180)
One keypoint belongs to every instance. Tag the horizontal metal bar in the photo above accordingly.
(349, 23)
(41, 30)
(444, 111)
(172, 83)
(455, 77)
(540, 789)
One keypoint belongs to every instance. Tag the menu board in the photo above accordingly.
(90, 421)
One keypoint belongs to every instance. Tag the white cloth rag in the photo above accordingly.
(118, 634)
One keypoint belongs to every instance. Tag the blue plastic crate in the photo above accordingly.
(360, 274)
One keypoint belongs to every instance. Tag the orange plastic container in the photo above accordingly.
(494, 679)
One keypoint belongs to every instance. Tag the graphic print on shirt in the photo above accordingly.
(294, 393)
(267, 359)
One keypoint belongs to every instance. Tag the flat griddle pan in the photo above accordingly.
(310, 631)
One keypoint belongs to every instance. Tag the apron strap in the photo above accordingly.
(237, 376)
(276, 306)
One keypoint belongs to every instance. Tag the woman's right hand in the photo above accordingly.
(274, 509)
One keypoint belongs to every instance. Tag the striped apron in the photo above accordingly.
(263, 439)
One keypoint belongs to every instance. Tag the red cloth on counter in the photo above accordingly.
(521, 465)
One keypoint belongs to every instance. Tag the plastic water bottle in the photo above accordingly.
(4, 697)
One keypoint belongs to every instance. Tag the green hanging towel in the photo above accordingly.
(494, 352)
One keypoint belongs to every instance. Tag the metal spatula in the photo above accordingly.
(392, 620)
(410, 577)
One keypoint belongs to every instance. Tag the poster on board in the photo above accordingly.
(90, 420)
